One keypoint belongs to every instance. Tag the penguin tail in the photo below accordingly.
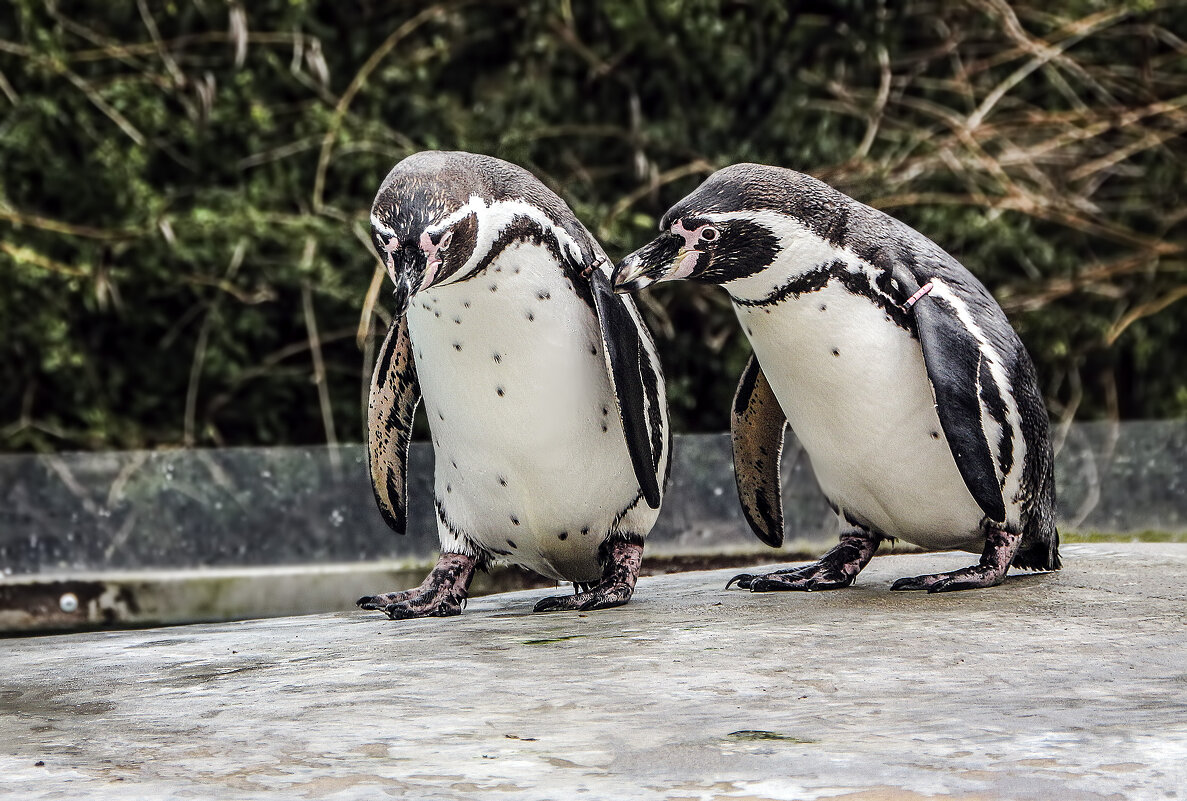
(1039, 553)
(1040, 539)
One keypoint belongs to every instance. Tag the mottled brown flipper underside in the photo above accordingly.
(395, 393)
(757, 425)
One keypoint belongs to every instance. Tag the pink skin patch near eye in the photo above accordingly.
(688, 261)
(389, 249)
(433, 255)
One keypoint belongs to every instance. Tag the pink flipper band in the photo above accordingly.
(923, 290)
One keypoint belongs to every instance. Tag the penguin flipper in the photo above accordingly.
(960, 381)
(757, 425)
(626, 360)
(391, 408)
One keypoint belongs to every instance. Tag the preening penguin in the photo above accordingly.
(543, 392)
(912, 395)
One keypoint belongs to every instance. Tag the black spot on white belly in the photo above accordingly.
(498, 358)
(823, 307)
(605, 411)
(604, 428)
(531, 317)
(585, 530)
(457, 346)
(512, 544)
(593, 349)
(564, 535)
(543, 295)
(502, 481)
(436, 314)
(457, 320)
(449, 488)
(935, 435)
(836, 352)
(466, 303)
(500, 391)
(514, 520)
(440, 415)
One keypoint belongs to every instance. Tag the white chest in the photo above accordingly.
(531, 462)
(855, 390)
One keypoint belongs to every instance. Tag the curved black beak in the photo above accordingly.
(402, 295)
(406, 266)
(650, 263)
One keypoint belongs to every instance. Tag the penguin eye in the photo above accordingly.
(446, 238)
(709, 233)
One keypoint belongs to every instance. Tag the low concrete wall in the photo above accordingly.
(249, 532)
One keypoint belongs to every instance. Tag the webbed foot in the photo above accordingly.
(836, 569)
(744, 580)
(1000, 547)
(442, 594)
(621, 558)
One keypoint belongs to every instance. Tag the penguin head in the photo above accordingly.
(423, 224)
(733, 225)
(440, 216)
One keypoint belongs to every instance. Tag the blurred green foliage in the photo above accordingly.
(185, 185)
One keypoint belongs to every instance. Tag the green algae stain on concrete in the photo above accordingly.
(758, 735)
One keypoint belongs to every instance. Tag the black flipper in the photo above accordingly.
(758, 425)
(624, 352)
(955, 365)
(395, 393)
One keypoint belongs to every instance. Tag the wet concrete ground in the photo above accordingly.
(1060, 686)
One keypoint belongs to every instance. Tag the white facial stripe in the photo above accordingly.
(377, 224)
(493, 219)
(799, 250)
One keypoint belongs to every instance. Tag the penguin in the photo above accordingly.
(541, 385)
(912, 395)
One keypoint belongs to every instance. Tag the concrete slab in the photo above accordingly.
(1070, 685)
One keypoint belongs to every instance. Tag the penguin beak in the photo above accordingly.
(407, 269)
(402, 296)
(659, 260)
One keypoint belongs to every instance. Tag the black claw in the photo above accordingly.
(553, 603)
(743, 579)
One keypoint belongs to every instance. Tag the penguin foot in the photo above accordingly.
(835, 570)
(969, 578)
(443, 593)
(1000, 547)
(746, 580)
(621, 558)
